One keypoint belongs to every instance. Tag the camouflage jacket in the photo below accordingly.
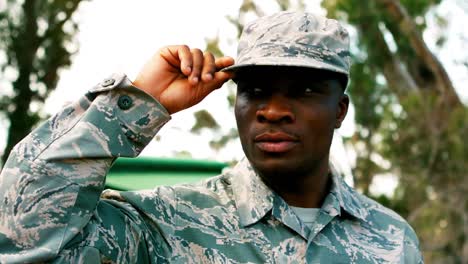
(53, 207)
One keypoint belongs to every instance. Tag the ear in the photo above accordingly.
(342, 110)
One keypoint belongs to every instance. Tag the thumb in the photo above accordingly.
(223, 62)
(219, 78)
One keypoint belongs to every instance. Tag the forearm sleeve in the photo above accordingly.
(51, 183)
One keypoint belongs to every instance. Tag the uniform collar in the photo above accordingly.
(254, 199)
(348, 199)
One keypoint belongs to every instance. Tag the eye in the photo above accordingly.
(308, 90)
(312, 90)
(256, 91)
(252, 90)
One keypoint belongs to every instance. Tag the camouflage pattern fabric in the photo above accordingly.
(53, 207)
(297, 39)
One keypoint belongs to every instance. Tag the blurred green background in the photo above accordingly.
(147, 173)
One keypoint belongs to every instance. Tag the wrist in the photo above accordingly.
(137, 83)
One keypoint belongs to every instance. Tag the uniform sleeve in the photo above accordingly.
(412, 252)
(51, 183)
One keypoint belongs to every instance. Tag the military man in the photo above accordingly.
(283, 203)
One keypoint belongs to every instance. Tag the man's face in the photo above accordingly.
(286, 117)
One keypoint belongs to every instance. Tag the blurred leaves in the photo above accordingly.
(203, 119)
(221, 142)
(212, 45)
(37, 38)
(408, 114)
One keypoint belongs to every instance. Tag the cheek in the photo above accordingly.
(240, 112)
(243, 110)
(241, 102)
(320, 117)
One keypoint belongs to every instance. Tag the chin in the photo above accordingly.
(277, 167)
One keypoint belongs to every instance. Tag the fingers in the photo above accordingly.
(223, 62)
(220, 78)
(212, 76)
(209, 67)
(193, 62)
(197, 57)
(199, 66)
(178, 57)
(186, 59)
(205, 66)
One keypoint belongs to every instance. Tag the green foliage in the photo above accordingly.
(204, 120)
(231, 97)
(407, 115)
(212, 45)
(419, 7)
(37, 38)
(219, 143)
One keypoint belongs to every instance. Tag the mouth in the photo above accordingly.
(275, 142)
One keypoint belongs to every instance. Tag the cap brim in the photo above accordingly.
(286, 62)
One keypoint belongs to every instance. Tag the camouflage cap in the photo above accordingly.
(294, 39)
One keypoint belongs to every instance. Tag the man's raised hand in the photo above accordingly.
(180, 77)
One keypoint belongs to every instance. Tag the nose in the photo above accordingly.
(275, 109)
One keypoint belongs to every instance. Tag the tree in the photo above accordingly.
(409, 114)
(37, 38)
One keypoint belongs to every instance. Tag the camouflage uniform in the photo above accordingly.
(53, 207)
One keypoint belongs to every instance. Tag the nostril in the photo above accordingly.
(261, 118)
(287, 118)
(276, 109)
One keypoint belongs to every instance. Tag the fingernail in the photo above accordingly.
(208, 77)
(195, 79)
(188, 69)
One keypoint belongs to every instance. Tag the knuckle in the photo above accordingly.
(196, 51)
(208, 54)
(184, 47)
(209, 59)
(164, 50)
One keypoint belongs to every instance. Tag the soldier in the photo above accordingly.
(283, 203)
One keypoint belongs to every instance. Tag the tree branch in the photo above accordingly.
(408, 28)
(398, 79)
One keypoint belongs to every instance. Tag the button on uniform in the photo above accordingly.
(125, 102)
(108, 82)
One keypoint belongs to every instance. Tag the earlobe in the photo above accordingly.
(338, 123)
(342, 110)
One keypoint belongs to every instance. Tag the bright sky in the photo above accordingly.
(120, 36)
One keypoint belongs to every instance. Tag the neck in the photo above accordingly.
(307, 190)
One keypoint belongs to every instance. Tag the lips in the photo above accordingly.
(275, 142)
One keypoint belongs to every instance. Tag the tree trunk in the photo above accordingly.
(20, 123)
(24, 46)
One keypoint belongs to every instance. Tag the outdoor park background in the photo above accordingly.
(404, 142)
